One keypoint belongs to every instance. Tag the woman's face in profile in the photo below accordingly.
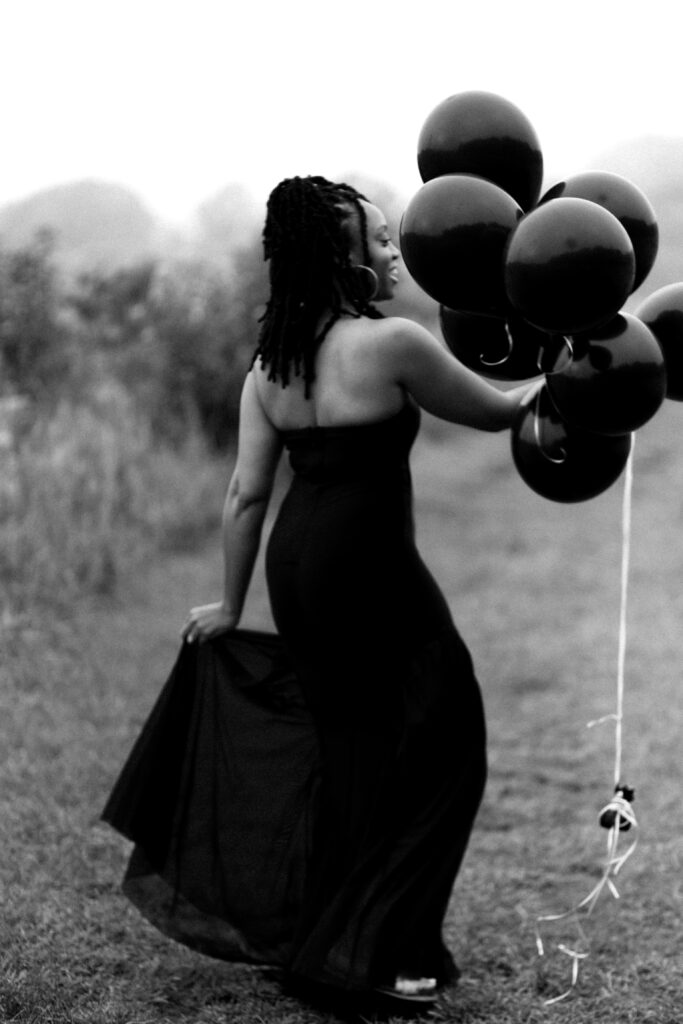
(384, 255)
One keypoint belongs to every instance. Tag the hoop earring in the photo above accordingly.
(368, 280)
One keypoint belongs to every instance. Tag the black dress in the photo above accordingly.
(306, 799)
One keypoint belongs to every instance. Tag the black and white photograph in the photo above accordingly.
(341, 513)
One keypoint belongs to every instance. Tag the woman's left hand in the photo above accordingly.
(206, 621)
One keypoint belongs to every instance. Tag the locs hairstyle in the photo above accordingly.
(306, 238)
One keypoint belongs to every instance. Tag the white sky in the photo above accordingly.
(178, 98)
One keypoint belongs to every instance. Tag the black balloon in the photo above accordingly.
(569, 266)
(626, 202)
(500, 349)
(453, 236)
(616, 379)
(663, 313)
(560, 462)
(483, 134)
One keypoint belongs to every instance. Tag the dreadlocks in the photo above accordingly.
(306, 237)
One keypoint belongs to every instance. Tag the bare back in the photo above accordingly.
(352, 384)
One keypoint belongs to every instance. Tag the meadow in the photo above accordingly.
(534, 587)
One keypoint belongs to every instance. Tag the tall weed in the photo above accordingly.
(88, 491)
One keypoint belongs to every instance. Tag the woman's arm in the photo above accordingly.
(244, 511)
(442, 385)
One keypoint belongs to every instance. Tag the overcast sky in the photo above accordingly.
(179, 98)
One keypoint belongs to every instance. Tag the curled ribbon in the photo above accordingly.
(617, 815)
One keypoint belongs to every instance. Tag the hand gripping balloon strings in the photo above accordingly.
(617, 816)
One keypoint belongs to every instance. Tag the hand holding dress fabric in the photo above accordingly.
(207, 621)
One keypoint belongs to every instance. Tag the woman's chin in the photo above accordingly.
(386, 293)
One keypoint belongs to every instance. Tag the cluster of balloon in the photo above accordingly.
(534, 285)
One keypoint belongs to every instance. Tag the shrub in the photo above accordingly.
(32, 342)
(179, 336)
(87, 491)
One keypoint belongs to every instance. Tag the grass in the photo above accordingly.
(534, 588)
(86, 491)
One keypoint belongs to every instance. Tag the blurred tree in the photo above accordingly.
(207, 324)
(33, 355)
(178, 336)
(176, 333)
(113, 303)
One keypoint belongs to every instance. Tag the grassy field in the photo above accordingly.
(534, 587)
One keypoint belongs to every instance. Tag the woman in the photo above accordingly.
(392, 702)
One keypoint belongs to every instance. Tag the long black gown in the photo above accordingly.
(305, 799)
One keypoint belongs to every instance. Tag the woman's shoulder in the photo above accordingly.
(397, 338)
(393, 324)
(404, 328)
(391, 329)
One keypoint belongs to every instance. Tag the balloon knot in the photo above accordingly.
(618, 810)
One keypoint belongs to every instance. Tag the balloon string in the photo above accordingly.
(619, 807)
(617, 717)
(503, 359)
(625, 561)
(538, 438)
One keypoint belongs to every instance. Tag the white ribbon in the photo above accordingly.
(618, 805)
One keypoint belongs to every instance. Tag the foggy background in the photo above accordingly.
(140, 143)
(152, 130)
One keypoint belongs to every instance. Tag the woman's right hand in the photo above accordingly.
(206, 621)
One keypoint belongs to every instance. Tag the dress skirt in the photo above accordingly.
(305, 799)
